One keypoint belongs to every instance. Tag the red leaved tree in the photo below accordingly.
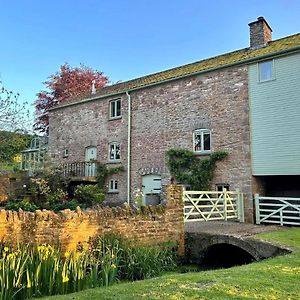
(68, 82)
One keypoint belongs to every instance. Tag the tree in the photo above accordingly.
(68, 82)
(14, 115)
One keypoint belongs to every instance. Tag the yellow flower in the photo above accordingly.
(67, 254)
(113, 266)
(65, 279)
(6, 249)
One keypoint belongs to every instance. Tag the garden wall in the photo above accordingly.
(70, 229)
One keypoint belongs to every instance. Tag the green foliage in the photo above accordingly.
(103, 172)
(189, 169)
(134, 262)
(12, 144)
(36, 271)
(25, 204)
(89, 194)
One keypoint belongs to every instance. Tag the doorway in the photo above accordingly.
(90, 164)
(151, 189)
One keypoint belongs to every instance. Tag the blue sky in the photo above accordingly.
(126, 39)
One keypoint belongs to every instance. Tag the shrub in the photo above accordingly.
(25, 204)
(134, 262)
(89, 194)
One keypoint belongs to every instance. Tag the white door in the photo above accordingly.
(151, 189)
(90, 165)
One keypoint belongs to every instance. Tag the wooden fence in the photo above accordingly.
(277, 210)
(212, 205)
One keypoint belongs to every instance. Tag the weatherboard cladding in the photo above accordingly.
(275, 122)
(237, 57)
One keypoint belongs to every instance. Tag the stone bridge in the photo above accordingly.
(225, 244)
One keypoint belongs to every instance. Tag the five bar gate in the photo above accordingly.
(213, 205)
(277, 210)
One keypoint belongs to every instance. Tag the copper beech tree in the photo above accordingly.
(68, 82)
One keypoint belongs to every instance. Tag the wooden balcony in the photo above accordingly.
(81, 171)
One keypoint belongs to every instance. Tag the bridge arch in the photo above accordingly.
(211, 250)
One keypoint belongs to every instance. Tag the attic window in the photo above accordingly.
(266, 70)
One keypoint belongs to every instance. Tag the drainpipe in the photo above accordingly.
(128, 147)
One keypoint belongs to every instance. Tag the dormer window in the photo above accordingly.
(202, 141)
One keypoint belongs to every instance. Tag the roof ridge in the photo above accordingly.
(185, 70)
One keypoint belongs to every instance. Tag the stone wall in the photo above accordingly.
(4, 185)
(152, 226)
(163, 117)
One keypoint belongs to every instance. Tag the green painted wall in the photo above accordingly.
(275, 118)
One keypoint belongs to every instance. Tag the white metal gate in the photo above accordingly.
(213, 205)
(277, 210)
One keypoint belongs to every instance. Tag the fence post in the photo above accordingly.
(257, 213)
(240, 206)
(225, 203)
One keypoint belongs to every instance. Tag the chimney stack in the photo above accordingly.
(260, 33)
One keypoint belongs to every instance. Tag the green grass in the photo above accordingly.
(275, 278)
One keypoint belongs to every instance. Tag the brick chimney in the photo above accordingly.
(260, 33)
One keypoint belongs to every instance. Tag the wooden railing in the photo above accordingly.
(213, 205)
(277, 210)
(80, 169)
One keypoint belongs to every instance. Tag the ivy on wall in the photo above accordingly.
(103, 172)
(188, 169)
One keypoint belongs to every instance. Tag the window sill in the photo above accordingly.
(112, 192)
(268, 80)
(117, 161)
(114, 118)
(203, 153)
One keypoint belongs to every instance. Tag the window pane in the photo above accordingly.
(116, 184)
(266, 70)
(112, 108)
(118, 112)
(206, 140)
(197, 146)
(111, 186)
(112, 152)
(118, 152)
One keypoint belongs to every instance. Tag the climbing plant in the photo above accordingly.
(103, 172)
(187, 168)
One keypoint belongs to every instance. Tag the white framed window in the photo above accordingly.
(66, 153)
(113, 186)
(114, 151)
(115, 109)
(266, 70)
(202, 141)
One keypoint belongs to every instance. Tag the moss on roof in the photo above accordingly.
(240, 56)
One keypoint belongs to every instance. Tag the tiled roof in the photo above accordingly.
(236, 57)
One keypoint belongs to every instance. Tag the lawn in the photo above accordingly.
(276, 278)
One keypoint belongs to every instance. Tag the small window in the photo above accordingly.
(115, 109)
(114, 151)
(113, 185)
(66, 153)
(266, 70)
(202, 141)
(221, 186)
